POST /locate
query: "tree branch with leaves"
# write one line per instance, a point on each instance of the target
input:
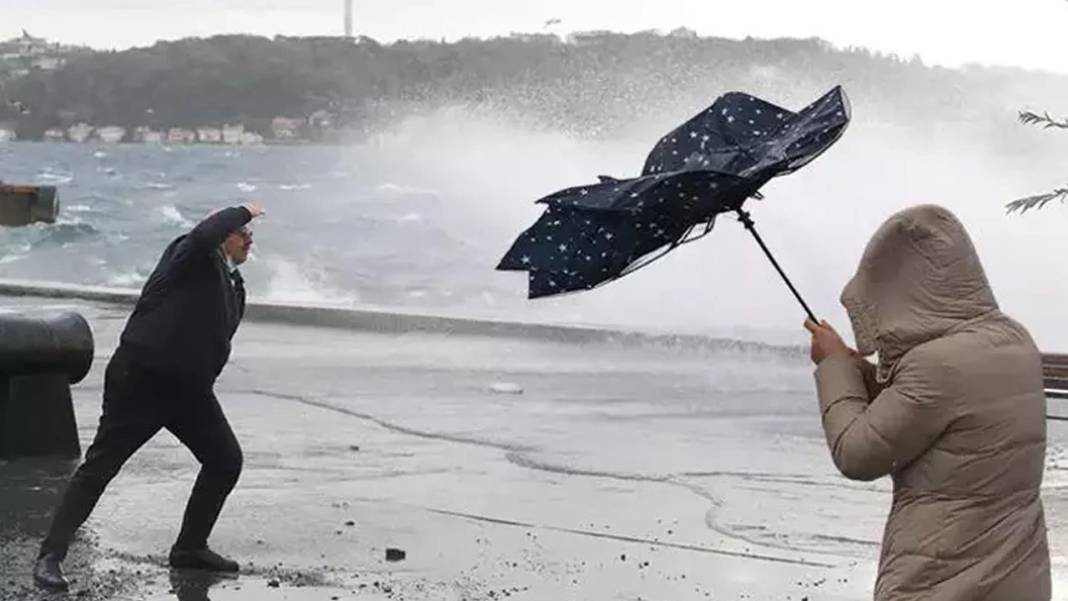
(1022, 205)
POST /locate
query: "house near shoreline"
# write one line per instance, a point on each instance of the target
(231, 134)
(80, 132)
(209, 135)
(111, 134)
(180, 135)
(146, 135)
(285, 128)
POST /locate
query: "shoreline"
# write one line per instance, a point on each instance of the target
(164, 144)
(398, 321)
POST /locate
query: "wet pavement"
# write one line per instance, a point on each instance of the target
(504, 468)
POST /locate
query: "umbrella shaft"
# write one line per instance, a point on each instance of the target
(747, 221)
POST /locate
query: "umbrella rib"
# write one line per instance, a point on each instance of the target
(670, 247)
(636, 265)
(685, 240)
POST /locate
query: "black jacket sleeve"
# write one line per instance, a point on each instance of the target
(209, 234)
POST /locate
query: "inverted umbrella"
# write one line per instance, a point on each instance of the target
(590, 235)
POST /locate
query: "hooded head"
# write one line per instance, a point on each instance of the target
(919, 278)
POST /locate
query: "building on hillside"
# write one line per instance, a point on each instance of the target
(80, 132)
(285, 128)
(590, 38)
(251, 138)
(111, 134)
(180, 135)
(47, 63)
(685, 33)
(231, 134)
(21, 55)
(209, 135)
(146, 135)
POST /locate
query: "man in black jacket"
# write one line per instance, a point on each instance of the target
(173, 348)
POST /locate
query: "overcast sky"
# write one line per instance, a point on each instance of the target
(1027, 33)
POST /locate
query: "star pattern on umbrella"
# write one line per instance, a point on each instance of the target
(709, 165)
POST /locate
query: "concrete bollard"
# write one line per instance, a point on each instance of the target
(23, 205)
(40, 357)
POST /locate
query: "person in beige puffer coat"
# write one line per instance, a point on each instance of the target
(953, 411)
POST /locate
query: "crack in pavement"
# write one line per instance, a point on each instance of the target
(631, 539)
(515, 455)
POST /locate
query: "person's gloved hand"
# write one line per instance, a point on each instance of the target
(826, 342)
(254, 209)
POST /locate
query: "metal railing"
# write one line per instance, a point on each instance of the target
(1055, 380)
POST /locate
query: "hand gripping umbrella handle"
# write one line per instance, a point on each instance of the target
(747, 221)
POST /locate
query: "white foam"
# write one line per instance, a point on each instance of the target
(55, 177)
(126, 280)
(302, 283)
(247, 187)
(506, 388)
(173, 216)
(411, 218)
(390, 187)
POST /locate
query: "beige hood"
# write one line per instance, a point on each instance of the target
(919, 278)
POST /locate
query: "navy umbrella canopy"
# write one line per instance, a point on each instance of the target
(713, 163)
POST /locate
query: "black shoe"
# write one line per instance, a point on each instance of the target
(47, 573)
(201, 559)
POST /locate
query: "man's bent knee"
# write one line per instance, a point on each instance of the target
(95, 477)
(226, 469)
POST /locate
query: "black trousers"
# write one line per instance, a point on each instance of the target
(137, 404)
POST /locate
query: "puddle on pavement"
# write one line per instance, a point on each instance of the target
(194, 586)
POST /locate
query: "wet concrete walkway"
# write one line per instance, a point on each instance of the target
(504, 468)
